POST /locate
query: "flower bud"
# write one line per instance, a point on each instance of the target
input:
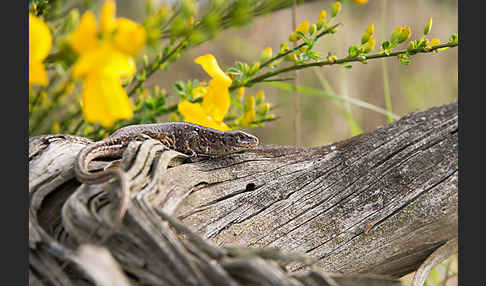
(312, 29)
(336, 8)
(435, 42)
(266, 54)
(270, 117)
(405, 34)
(370, 45)
(255, 67)
(249, 103)
(411, 45)
(293, 37)
(240, 93)
(260, 96)
(174, 117)
(428, 27)
(323, 15)
(264, 108)
(303, 27)
(370, 29)
(145, 60)
(396, 34)
(365, 38)
(250, 113)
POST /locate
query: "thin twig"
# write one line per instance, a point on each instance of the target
(296, 80)
(341, 61)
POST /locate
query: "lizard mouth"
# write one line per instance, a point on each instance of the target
(252, 143)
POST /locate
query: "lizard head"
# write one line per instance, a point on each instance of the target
(221, 143)
(241, 139)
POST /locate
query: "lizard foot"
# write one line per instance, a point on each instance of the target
(142, 137)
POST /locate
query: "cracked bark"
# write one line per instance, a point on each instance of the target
(379, 203)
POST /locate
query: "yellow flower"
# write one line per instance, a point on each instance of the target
(211, 67)
(84, 38)
(105, 59)
(361, 1)
(130, 36)
(104, 99)
(40, 41)
(195, 113)
(107, 17)
(199, 91)
(303, 27)
(216, 98)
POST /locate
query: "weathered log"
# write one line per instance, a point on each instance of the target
(375, 204)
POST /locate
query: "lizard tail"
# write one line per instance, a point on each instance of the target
(88, 154)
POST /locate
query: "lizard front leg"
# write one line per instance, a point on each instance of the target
(192, 137)
(167, 139)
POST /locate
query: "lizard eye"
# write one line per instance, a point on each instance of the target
(241, 137)
(229, 140)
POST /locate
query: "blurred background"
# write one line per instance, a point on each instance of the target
(430, 80)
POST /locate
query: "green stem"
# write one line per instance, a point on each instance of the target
(339, 61)
(386, 91)
(33, 105)
(44, 114)
(386, 86)
(279, 56)
(157, 66)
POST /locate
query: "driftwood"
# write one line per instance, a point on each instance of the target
(363, 211)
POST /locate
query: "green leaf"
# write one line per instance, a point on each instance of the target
(233, 71)
(239, 65)
(347, 66)
(353, 51)
(180, 89)
(311, 91)
(300, 34)
(385, 45)
(235, 103)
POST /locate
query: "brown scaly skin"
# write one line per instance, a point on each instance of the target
(184, 137)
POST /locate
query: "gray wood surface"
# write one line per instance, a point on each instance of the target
(341, 214)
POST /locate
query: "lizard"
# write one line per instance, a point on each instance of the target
(188, 138)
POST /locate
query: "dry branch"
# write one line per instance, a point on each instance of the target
(376, 204)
